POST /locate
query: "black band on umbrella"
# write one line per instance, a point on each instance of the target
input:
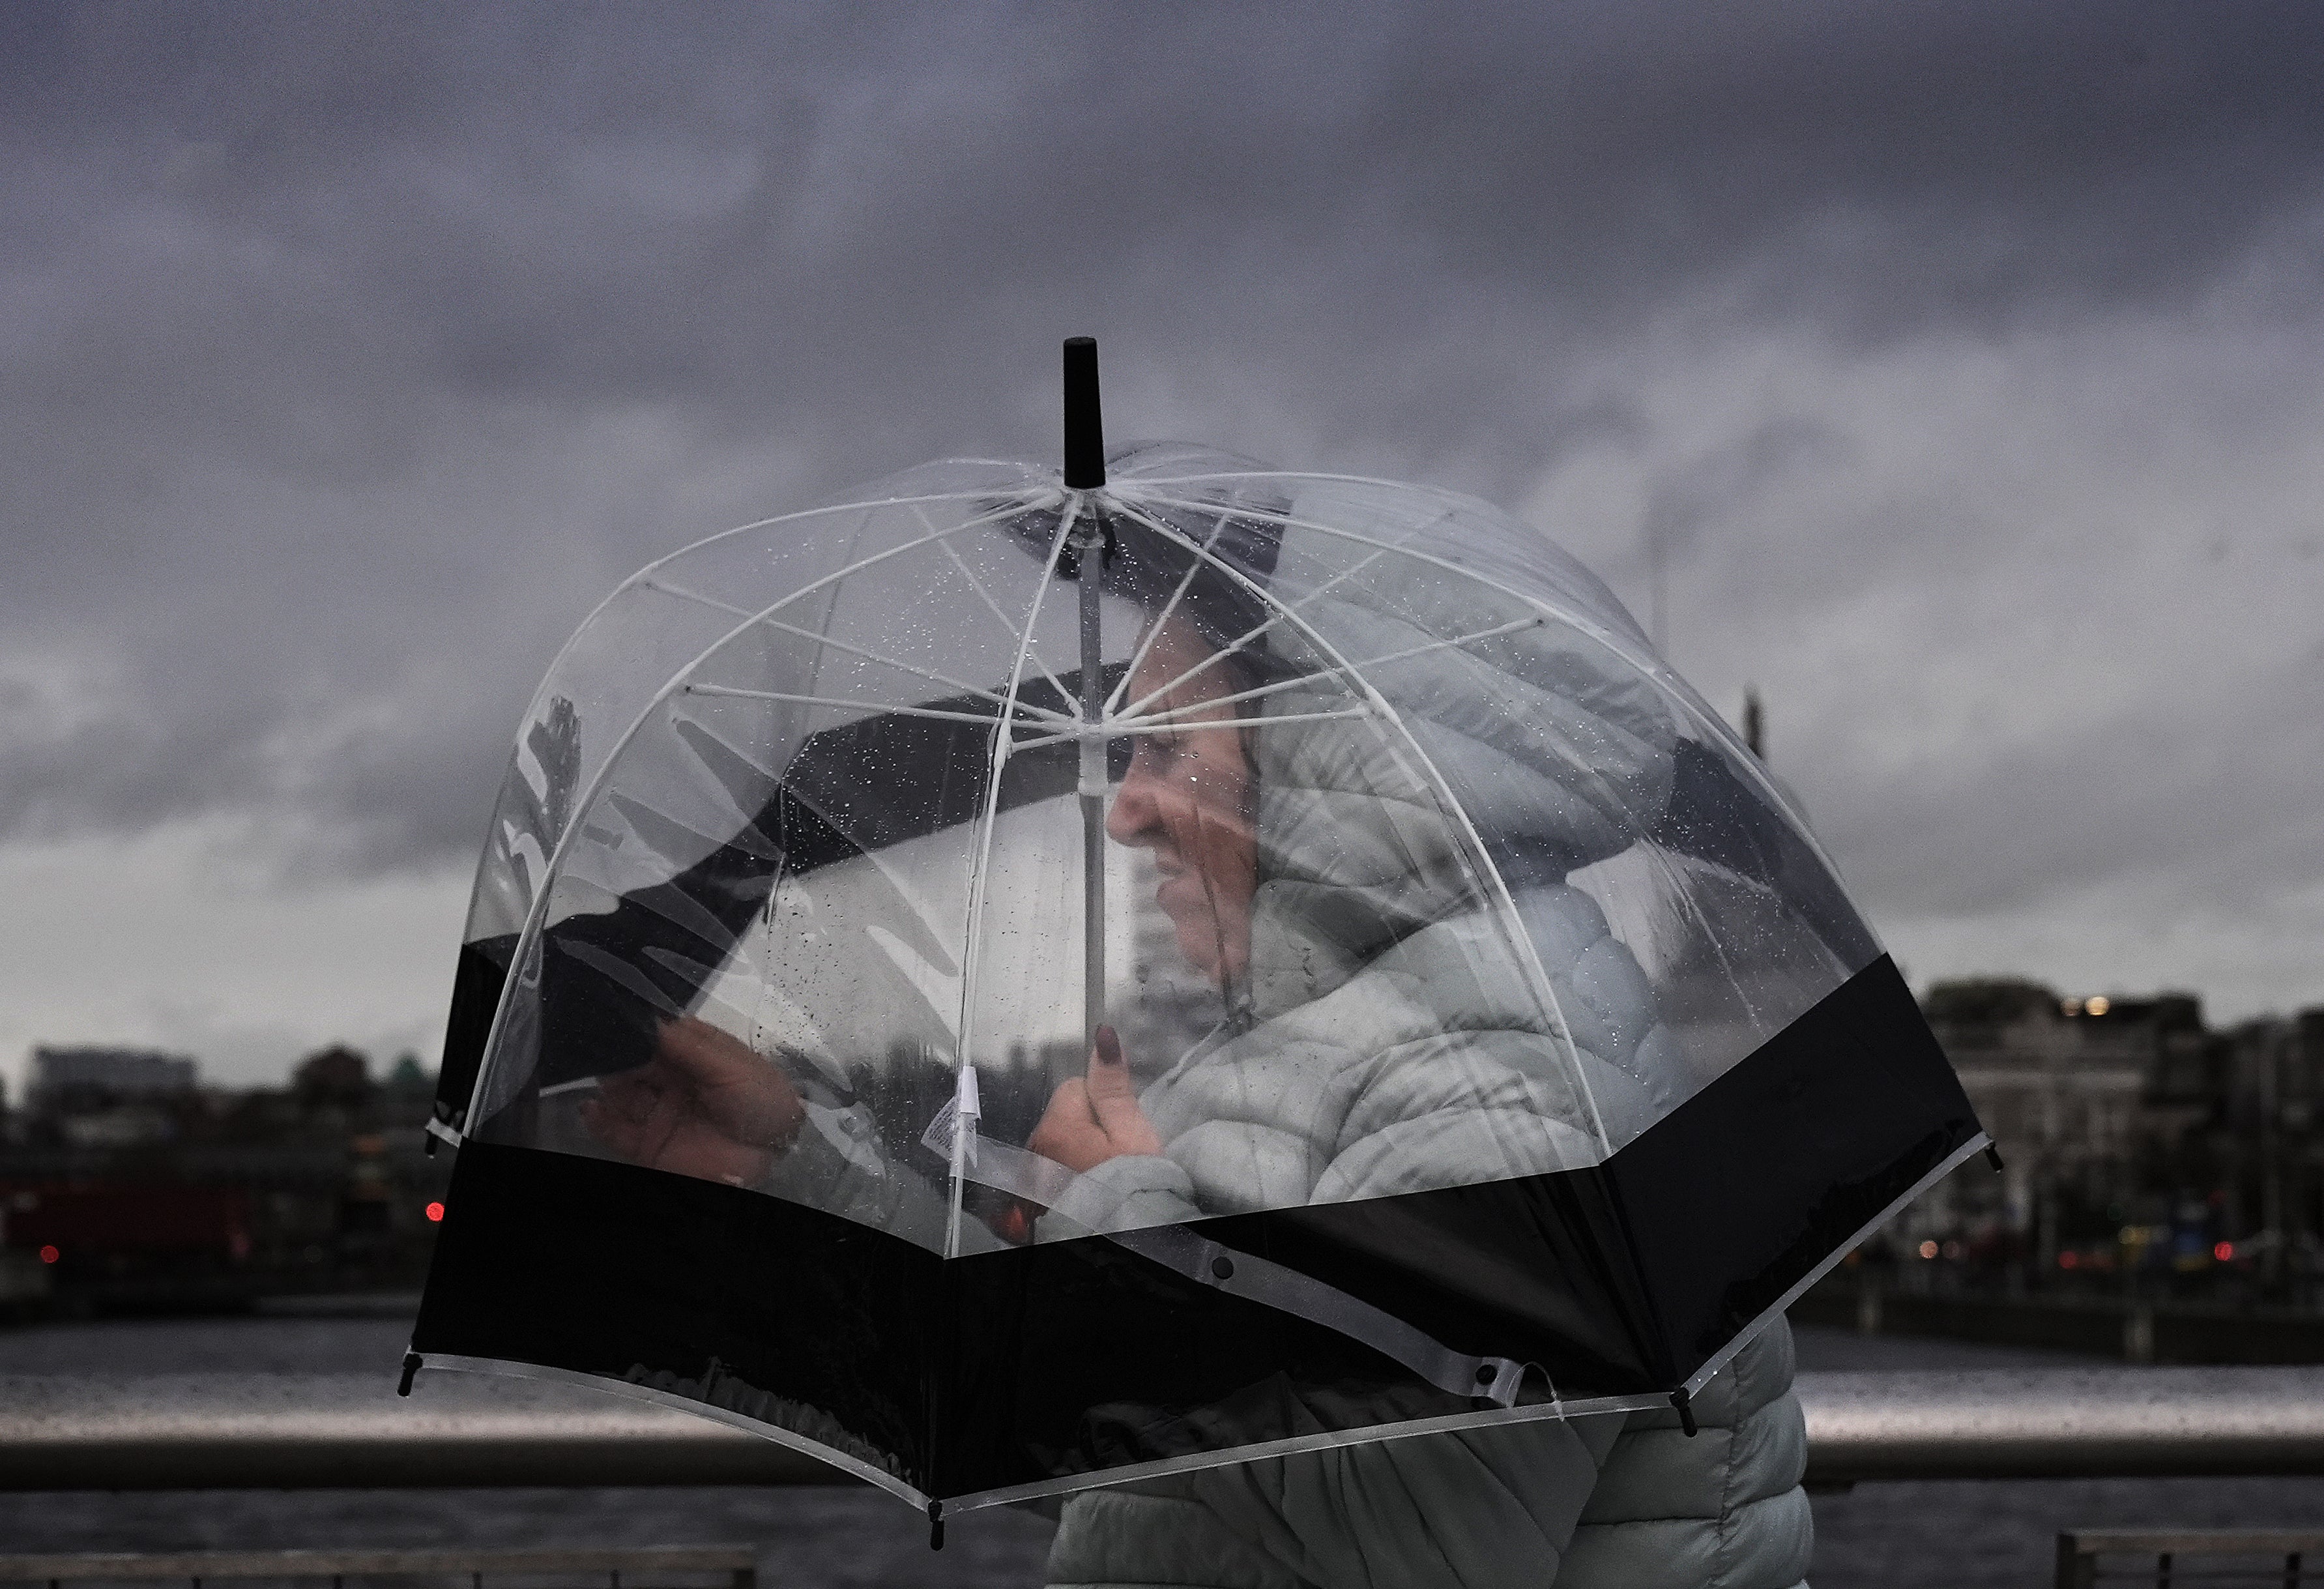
(1077, 1357)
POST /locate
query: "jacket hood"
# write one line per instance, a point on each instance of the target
(1543, 743)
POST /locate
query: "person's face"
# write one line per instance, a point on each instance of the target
(1187, 798)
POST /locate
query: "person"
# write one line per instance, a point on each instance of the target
(1375, 1042)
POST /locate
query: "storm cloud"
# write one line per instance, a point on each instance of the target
(1947, 372)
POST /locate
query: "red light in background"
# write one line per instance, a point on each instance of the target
(435, 1212)
(2224, 1252)
(50, 1255)
(2068, 1259)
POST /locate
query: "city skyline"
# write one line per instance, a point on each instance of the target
(2088, 1002)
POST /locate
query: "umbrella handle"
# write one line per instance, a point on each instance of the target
(1085, 426)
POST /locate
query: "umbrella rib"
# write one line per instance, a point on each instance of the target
(1000, 617)
(1469, 639)
(536, 908)
(1168, 713)
(1499, 887)
(973, 955)
(644, 577)
(1647, 663)
(1121, 728)
(1153, 629)
(1685, 896)
(1006, 627)
(1282, 610)
(1707, 723)
(841, 507)
(870, 656)
(825, 701)
(1009, 700)
(1129, 486)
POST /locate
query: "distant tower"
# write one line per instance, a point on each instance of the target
(1754, 722)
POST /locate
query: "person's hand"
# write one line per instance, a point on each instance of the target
(1095, 1118)
(707, 1105)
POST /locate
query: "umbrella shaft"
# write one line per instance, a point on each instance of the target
(1092, 798)
(1093, 906)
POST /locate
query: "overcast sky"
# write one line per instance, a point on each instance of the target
(1967, 363)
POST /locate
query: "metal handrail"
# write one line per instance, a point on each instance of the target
(346, 1431)
(2064, 1423)
(737, 1564)
(318, 1431)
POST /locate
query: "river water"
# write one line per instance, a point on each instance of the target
(1916, 1536)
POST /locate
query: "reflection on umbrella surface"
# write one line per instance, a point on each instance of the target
(1018, 982)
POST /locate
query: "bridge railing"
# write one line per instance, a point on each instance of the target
(721, 1567)
(310, 1431)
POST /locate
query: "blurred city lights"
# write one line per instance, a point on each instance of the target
(1928, 1249)
(435, 1212)
(50, 1255)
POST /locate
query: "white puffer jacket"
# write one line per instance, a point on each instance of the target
(1598, 1503)
(1423, 1069)
(1396, 1041)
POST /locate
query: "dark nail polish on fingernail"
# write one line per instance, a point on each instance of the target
(1109, 1046)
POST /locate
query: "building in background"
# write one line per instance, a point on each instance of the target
(135, 1187)
(2139, 1143)
(2145, 1153)
(99, 1097)
(60, 1076)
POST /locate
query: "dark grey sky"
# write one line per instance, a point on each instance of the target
(1963, 360)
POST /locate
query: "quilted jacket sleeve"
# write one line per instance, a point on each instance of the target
(1724, 1509)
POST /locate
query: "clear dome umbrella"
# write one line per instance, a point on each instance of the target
(1019, 981)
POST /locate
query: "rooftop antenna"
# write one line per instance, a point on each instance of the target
(1087, 549)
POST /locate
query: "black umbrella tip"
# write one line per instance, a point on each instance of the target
(1084, 429)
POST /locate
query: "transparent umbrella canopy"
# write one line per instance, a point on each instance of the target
(1022, 981)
